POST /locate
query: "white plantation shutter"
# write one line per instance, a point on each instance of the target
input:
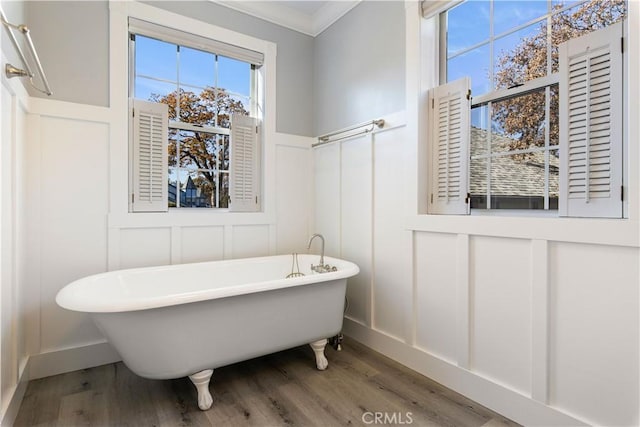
(244, 179)
(591, 101)
(149, 130)
(450, 108)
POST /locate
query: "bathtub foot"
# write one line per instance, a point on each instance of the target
(201, 381)
(318, 349)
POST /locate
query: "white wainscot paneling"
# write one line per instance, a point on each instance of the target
(293, 198)
(144, 247)
(594, 332)
(436, 304)
(392, 292)
(15, 168)
(500, 299)
(327, 196)
(200, 244)
(356, 214)
(21, 231)
(250, 241)
(73, 208)
(9, 312)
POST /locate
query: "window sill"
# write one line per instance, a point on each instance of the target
(187, 217)
(522, 213)
(615, 232)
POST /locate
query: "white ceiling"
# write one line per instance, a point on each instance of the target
(309, 7)
(306, 16)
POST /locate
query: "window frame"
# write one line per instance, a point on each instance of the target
(119, 195)
(190, 41)
(496, 95)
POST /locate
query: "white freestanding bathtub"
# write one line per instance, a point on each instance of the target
(185, 320)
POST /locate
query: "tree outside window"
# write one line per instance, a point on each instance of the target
(514, 138)
(202, 90)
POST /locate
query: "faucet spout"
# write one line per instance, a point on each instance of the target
(321, 249)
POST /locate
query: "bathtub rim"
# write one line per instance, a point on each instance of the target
(69, 300)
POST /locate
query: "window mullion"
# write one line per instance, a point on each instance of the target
(547, 134)
(549, 39)
(178, 133)
(530, 86)
(442, 45)
(488, 142)
(198, 128)
(217, 173)
(492, 58)
(509, 153)
(492, 37)
(178, 170)
(215, 91)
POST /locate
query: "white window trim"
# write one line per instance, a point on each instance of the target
(542, 82)
(119, 215)
(497, 95)
(422, 74)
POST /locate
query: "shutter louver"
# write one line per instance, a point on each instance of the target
(149, 129)
(449, 152)
(591, 125)
(244, 181)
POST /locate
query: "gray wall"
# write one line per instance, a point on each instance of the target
(294, 62)
(352, 72)
(72, 40)
(360, 66)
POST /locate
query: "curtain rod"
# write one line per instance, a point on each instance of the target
(336, 136)
(12, 71)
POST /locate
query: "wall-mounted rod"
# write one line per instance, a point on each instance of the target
(349, 132)
(12, 71)
(12, 37)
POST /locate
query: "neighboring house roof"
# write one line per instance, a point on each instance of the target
(515, 176)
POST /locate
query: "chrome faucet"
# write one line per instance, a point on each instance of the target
(320, 268)
(321, 250)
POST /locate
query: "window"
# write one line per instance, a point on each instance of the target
(510, 52)
(204, 84)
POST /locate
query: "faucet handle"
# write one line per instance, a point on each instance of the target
(323, 268)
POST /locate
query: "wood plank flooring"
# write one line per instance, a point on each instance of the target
(282, 389)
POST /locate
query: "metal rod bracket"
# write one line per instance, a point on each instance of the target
(12, 71)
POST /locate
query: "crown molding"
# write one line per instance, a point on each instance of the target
(329, 13)
(279, 14)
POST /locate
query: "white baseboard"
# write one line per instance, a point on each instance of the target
(72, 359)
(54, 363)
(9, 416)
(509, 403)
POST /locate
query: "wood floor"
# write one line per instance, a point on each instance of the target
(283, 389)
